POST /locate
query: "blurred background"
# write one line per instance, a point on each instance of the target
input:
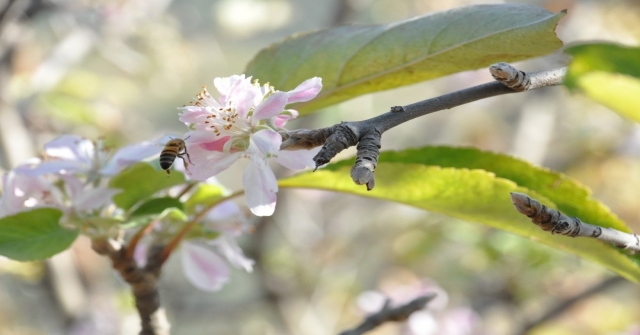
(118, 69)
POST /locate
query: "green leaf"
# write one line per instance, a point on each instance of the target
(609, 74)
(174, 215)
(355, 60)
(473, 185)
(140, 181)
(34, 235)
(151, 210)
(204, 195)
(156, 206)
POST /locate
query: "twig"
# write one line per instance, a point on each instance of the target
(563, 306)
(367, 133)
(557, 223)
(143, 282)
(386, 314)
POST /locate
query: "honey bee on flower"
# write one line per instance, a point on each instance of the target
(243, 122)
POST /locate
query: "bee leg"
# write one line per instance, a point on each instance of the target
(186, 165)
(189, 158)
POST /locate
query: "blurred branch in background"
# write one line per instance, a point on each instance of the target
(557, 310)
(386, 314)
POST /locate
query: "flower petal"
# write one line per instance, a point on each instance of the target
(203, 268)
(260, 187)
(271, 107)
(284, 117)
(297, 159)
(94, 198)
(228, 246)
(201, 136)
(305, 91)
(193, 114)
(422, 323)
(35, 167)
(205, 163)
(128, 155)
(264, 142)
(71, 147)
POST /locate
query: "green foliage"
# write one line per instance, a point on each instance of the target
(204, 195)
(355, 60)
(156, 206)
(34, 235)
(140, 181)
(472, 185)
(609, 74)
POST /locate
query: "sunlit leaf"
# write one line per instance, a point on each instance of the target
(355, 60)
(609, 74)
(34, 235)
(141, 181)
(204, 195)
(156, 206)
(475, 186)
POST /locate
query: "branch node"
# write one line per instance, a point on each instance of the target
(342, 136)
(305, 138)
(397, 109)
(556, 222)
(368, 148)
(510, 76)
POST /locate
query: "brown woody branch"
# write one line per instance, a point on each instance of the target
(556, 222)
(143, 282)
(367, 134)
(386, 314)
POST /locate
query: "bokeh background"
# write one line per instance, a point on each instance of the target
(117, 70)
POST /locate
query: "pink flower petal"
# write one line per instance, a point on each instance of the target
(94, 198)
(228, 246)
(205, 163)
(244, 100)
(200, 136)
(128, 155)
(264, 142)
(70, 147)
(203, 268)
(224, 211)
(43, 168)
(193, 114)
(271, 107)
(305, 91)
(284, 117)
(260, 186)
(217, 145)
(297, 159)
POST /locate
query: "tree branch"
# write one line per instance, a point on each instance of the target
(367, 133)
(564, 305)
(143, 282)
(557, 223)
(386, 314)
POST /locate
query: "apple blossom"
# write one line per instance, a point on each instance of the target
(243, 122)
(71, 154)
(67, 177)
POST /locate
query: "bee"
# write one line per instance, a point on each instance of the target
(174, 148)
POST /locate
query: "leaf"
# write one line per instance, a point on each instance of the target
(355, 60)
(34, 235)
(140, 181)
(156, 206)
(204, 195)
(609, 74)
(473, 185)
